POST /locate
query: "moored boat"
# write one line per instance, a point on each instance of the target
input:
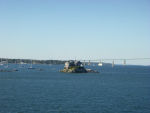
(100, 64)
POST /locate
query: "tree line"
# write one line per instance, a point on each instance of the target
(28, 61)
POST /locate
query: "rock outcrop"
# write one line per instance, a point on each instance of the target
(91, 71)
(74, 70)
(78, 70)
(75, 67)
(5, 70)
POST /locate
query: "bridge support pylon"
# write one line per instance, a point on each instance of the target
(113, 64)
(84, 62)
(89, 62)
(124, 63)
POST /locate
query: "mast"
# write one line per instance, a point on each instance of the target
(20, 63)
(7, 63)
(31, 63)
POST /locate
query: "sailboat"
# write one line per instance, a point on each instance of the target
(20, 65)
(7, 64)
(1, 63)
(93, 64)
(31, 66)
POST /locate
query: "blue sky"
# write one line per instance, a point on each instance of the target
(85, 29)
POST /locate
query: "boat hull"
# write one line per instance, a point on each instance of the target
(31, 68)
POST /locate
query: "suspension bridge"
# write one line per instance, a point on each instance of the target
(95, 60)
(99, 60)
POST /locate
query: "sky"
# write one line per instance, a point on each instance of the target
(75, 29)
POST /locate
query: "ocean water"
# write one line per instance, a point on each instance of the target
(113, 90)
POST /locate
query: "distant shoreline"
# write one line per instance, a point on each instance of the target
(28, 61)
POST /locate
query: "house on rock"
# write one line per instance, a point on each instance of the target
(75, 67)
(72, 63)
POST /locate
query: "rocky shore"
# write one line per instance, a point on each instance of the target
(5, 70)
(8, 70)
(91, 71)
(78, 70)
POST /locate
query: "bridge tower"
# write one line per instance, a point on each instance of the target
(124, 63)
(84, 62)
(89, 62)
(113, 64)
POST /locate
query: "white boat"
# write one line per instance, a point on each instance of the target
(31, 66)
(100, 64)
(50, 64)
(20, 65)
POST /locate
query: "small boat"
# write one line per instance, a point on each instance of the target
(20, 65)
(7, 64)
(100, 64)
(15, 70)
(31, 66)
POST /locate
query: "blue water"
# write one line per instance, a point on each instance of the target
(113, 90)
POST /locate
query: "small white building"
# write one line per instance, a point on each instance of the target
(66, 65)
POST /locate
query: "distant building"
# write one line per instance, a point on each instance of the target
(72, 63)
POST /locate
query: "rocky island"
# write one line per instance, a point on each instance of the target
(75, 67)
